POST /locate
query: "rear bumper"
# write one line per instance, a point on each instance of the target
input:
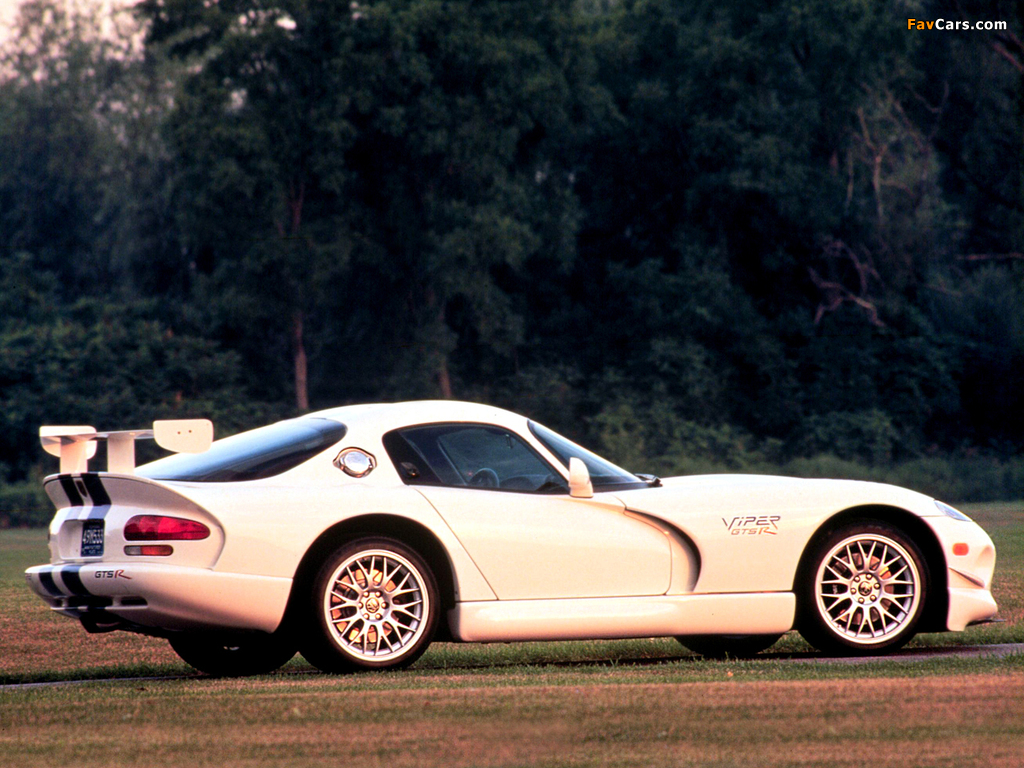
(163, 597)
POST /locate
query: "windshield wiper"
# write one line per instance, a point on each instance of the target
(652, 480)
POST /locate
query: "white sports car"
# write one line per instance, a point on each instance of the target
(357, 535)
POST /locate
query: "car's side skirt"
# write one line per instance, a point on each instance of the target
(619, 617)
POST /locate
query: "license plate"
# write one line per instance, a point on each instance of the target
(92, 538)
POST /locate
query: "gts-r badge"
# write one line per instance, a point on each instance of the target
(118, 574)
(760, 525)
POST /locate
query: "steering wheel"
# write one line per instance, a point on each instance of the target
(485, 477)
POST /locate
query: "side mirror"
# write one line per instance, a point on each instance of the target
(580, 486)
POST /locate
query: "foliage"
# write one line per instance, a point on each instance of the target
(24, 505)
(110, 365)
(695, 235)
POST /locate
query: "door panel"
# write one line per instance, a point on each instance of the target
(531, 546)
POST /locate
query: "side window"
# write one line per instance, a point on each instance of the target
(470, 456)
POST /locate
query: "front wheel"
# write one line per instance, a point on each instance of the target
(224, 656)
(374, 605)
(864, 590)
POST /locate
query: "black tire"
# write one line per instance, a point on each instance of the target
(862, 591)
(237, 656)
(374, 604)
(728, 646)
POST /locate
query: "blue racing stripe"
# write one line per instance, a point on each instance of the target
(67, 484)
(46, 580)
(97, 492)
(98, 513)
(73, 581)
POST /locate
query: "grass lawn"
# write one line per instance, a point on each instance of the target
(643, 702)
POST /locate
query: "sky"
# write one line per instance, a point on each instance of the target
(9, 10)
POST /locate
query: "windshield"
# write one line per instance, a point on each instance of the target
(252, 455)
(603, 474)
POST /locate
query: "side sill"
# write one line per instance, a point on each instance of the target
(623, 617)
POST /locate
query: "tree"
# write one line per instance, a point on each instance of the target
(53, 147)
(400, 162)
(259, 134)
(462, 177)
(112, 364)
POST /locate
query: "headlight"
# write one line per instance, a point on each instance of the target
(950, 512)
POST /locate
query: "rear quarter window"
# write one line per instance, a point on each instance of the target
(253, 455)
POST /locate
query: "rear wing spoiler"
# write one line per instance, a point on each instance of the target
(76, 445)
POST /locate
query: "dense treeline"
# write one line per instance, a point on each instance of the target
(696, 235)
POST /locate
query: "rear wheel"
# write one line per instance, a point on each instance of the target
(374, 605)
(731, 646)
(864, 590)
(223, 656)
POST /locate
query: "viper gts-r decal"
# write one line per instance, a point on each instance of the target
(753, 525)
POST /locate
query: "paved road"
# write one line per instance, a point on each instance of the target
(997, 650)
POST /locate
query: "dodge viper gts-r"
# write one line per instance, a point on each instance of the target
(357, 535)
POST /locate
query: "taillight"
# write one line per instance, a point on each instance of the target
(161, 528)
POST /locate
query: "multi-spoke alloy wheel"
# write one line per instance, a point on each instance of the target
(376, 607)
(867, 590)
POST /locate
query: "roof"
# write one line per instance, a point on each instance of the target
(386, 416)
